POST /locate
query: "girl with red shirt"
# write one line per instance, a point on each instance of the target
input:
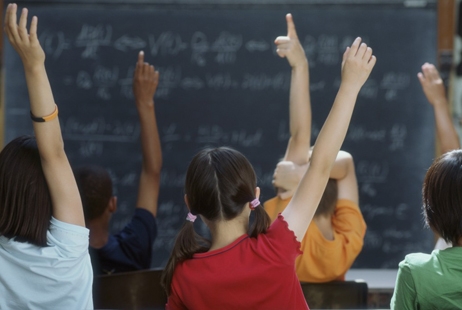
(242, 268)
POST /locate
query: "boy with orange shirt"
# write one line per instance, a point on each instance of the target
(335, 236)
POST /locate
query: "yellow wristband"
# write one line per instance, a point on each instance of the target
(47, 118)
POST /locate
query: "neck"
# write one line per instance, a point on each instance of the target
(226, 232)
(99, 233)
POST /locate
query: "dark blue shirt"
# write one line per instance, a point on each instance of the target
(130, 249)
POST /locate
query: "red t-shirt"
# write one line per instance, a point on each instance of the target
(250, 273)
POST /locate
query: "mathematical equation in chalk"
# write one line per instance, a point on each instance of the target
(324, 49)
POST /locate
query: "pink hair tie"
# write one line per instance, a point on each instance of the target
(191, 217)
(254, 203)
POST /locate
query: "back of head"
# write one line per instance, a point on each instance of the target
(95, 187)
(328, 200)
(25, 203)
(219, 184)
(442, 196)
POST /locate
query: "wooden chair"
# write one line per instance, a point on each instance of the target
(129, 290)
(336, 295)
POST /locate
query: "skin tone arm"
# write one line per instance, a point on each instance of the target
(145, 81)
(288, 175)
(433, 88)
(300, 107)
(67, 206)
(357, 64)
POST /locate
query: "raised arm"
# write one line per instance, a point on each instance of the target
(357, 64)
(433, 88)
(145, 81)
(345, 174)
(67, 206)
(300, 107)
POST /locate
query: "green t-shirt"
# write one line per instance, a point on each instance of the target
(429, 281)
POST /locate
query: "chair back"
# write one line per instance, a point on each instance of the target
(336, 295)
(129, 290)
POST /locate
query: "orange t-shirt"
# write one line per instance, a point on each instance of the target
(327, 260)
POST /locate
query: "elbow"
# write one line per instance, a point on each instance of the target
(153, 171)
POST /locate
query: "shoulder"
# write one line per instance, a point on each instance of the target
(144, 215)
(71, 229)
(345, 208)
(346, 203)
(142, 223)
(348, 218)
(280, 237)
(70, 237)
(418, 265)
(417, 260)
(439, 261)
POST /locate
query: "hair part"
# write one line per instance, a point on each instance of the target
(329, 198)
(25, 202)
(220, 182)
(442, 196)
(95, 187)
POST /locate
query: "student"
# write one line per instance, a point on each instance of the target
(43, 240)
(254, 269)
(335, 237)
(433, 88)
(131, 248)
(434, 281)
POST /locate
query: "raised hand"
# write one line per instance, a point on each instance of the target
(432, 84)
(26, 44)
(357, 64)
(145, 81)
(67, 206)
(289, 46)
(434, 90)
(287, 176)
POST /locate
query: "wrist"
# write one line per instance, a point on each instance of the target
(349, 88)
(144, 104)
(439, 102)
(301, 65)
(36, 68)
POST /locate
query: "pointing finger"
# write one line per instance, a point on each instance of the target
(291, 32)
(140, 58)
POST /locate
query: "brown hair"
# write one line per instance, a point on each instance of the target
(442, 196)
(328, 201)
(219, 183)
(95, 187)
(25, 203)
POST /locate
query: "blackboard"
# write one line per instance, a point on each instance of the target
(222, 84)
